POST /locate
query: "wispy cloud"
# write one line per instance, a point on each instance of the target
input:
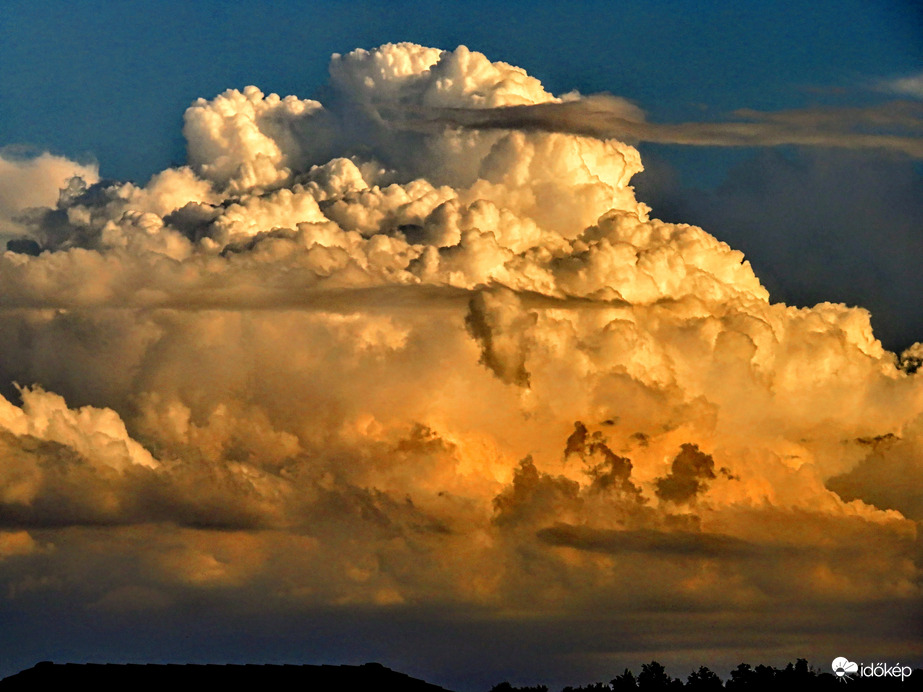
(895, 126)
(911, 85)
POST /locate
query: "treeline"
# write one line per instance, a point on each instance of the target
(653, 677)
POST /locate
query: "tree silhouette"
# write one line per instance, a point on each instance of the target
(624, 682)
(795, 674)
(507, 687)
(654, 678)
(595, 687)
(744, 678)
(741, 677)
(704, 680)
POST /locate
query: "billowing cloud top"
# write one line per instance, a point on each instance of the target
(427, 367)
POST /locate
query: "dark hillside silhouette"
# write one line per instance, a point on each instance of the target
(135, 677)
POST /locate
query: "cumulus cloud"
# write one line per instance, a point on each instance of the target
(28, 181)
(337, 364)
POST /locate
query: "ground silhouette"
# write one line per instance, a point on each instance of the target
(652, 677)
(139, 677)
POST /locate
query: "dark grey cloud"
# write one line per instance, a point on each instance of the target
(895, 126)
(461, 650)
(689, 475)
(608, 470)
(816, 226)
(889, 477)
(673, 543)
(499, 325)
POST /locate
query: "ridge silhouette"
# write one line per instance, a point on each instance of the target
(142, 677)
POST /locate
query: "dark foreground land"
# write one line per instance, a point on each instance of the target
(137, 678)
(374, 676)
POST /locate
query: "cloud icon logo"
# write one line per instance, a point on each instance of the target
(843, 667)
